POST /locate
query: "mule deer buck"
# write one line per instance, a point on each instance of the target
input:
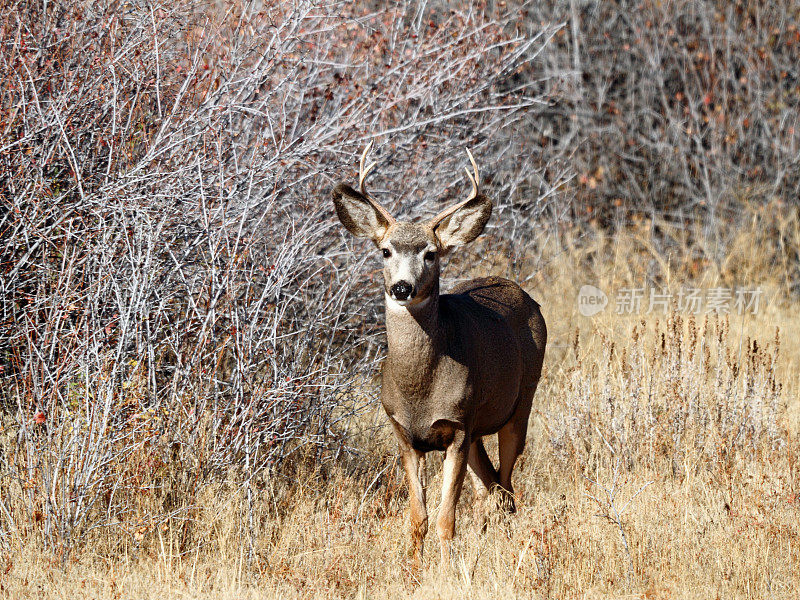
(460, 366)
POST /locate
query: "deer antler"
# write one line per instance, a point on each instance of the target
(362, 184)
(434, 222)
(362, 174)
(474, 179)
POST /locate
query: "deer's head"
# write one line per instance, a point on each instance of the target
(411, 251)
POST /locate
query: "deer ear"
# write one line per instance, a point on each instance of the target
(359, 215)
(465, 223)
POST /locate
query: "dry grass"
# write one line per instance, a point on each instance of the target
(656, 467)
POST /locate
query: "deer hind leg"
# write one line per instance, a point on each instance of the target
(414, 465)
(484, 477)
(511, 442)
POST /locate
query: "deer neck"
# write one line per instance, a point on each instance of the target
(415, 342)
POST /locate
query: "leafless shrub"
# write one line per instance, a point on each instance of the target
(673, 108)
(172, 290)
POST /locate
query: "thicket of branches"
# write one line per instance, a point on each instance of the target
(174, 289)
(676, 109)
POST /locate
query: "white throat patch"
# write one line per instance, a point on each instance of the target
(405, 306)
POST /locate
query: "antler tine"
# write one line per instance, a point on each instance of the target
(474, 180)
(362, 184)
(362, 173)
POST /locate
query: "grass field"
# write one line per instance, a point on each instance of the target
(660, 463)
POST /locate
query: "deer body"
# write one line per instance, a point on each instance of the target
(460, 359)
(459, 366)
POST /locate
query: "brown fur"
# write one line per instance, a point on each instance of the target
(460, 366)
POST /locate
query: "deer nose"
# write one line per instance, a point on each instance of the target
(402, 290)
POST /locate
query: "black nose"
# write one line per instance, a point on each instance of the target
(402, 290)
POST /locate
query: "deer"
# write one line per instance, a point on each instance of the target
(459, 366)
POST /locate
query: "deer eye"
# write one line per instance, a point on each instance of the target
(386, 253)
(430, 255)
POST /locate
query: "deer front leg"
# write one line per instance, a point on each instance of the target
(414, 465)
(455, 467)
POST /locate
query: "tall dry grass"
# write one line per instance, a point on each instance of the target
(661, 462)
